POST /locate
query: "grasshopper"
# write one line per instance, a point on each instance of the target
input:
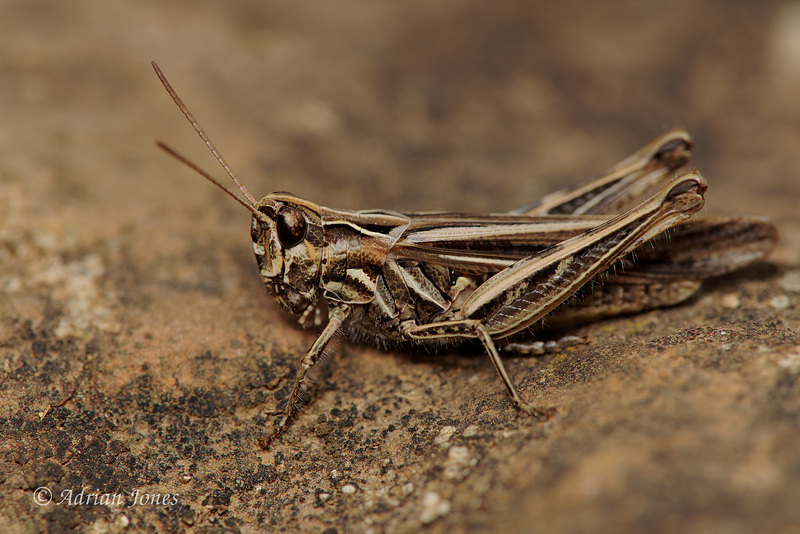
(439, 277)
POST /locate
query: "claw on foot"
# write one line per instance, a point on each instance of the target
(545, 347)
(541, 414)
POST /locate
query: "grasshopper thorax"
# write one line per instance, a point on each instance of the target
(288, 245)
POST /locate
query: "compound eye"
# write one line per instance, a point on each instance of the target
(291, 226)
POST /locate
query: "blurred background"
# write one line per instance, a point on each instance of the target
(403, 105)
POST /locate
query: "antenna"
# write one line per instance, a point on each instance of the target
(250, 207)
(209, 144)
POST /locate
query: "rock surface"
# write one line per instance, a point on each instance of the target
(141, 358)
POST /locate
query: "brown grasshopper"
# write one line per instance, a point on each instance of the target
(438, 277)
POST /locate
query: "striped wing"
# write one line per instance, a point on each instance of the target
(700, 248)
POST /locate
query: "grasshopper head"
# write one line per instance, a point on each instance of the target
(287, 242)
(286, 230)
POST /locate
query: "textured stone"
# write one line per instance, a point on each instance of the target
(139, 351)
